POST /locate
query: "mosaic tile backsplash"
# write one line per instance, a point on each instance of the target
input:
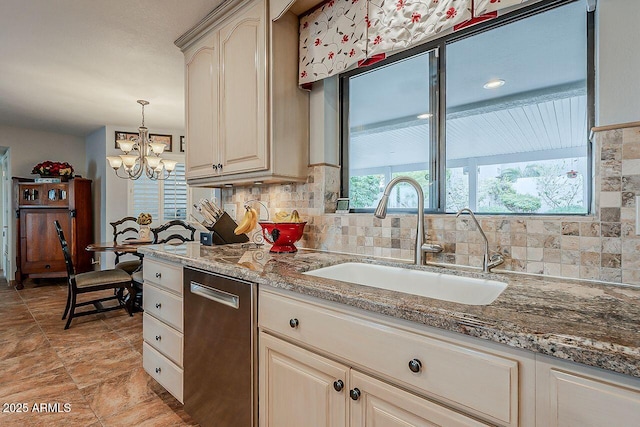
(603, 246)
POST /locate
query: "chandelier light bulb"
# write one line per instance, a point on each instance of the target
(153, 162)
(169, 165)
(126, 145)
(157, 147)
(115, 162)
(129, 160)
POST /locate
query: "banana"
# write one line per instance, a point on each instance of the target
(244, 225)
(295, 217)
(254, 219)
(281, 216)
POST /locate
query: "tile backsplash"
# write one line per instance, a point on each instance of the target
(602, 246)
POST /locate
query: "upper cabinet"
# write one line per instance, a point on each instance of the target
(247, 120)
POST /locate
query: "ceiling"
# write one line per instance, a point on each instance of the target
(73, 66)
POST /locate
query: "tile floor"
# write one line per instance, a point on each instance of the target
(95, 366)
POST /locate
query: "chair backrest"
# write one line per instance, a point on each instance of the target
(66, 251)
(124, 229)
(180, 230)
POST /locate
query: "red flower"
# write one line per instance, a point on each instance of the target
(352, 52)
(317, 42)
(303, 74)
(415, 17)
(494, 1)
(331, 54)
(345, 38)
(451, 12)
(305, 25)
(366, 19)
(377, 40)
(354, 1)
(401, 4)
(331, 2)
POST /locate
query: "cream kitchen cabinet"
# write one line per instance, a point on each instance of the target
(247, 120)
(162, 349)
(399, 373)
(300, 387)
(572, 395)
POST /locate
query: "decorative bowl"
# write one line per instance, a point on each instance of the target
(282, 235)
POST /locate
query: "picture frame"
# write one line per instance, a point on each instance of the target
(167, 139)
(130, 136)
(182, 144)
(342, 205)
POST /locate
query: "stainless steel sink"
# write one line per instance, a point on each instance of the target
(442, 286)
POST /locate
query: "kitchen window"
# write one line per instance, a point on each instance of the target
(165, 199)
(493, 117)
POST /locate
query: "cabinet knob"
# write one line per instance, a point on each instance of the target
(158, 305)
(355, 394)
(338, 385)
(415, 365)
(158, 275)
(294, 323)
(215, 167)
(158, 337)
(220, 166)
(158, 370)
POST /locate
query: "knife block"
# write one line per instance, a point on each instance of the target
(221, 233)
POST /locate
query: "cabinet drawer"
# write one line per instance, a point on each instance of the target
(162, 370)
(475, 381)
(168, 276)
(163, 338)
(163, 306)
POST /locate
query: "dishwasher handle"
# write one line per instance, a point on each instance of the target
(216, 295)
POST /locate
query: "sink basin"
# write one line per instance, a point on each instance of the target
(446, 287)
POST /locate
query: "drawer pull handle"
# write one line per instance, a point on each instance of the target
(158, 305)
(415, 365)
(355, 394)
(338, 385)
(158, 275)
(158, 370)
(158, 337)
(294, 323)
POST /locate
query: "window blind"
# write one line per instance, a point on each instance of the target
(145, 197)
(175, 195)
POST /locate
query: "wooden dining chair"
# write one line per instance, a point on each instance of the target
(123, 230)
(174, 231)
(92, 281)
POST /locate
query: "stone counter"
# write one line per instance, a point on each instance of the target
(592, 323)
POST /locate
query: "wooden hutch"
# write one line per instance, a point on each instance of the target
(37, 205)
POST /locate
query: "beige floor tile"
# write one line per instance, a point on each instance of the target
(36, 363)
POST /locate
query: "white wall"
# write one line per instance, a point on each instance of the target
(618, 63)
(30, 147)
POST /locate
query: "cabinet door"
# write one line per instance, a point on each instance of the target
(567, 398)
(56, 195)
(202, 110)
(381, 404)
(39, 245)
(243, 85)
(297, 387)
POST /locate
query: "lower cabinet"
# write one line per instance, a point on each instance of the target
(162, 349)
(572, 395)
(302, 388)
(327, 366)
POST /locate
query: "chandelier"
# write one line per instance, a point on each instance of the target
(141, 155)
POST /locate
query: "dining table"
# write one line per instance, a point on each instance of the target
(126, 246)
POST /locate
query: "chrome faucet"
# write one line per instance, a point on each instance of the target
(381, 212)
(487, 263)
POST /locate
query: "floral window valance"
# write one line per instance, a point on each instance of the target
(343, 33)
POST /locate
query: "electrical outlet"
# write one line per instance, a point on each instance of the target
(230, 208)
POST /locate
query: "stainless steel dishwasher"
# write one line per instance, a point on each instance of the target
(220, 351)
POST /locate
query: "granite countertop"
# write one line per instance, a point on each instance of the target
(596, 324)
